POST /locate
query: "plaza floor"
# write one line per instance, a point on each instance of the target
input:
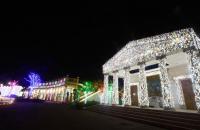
(43, 116)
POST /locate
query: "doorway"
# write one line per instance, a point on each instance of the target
(134, 95)
(188, 94)
(154, 91)
(110, 89)
(120, 89)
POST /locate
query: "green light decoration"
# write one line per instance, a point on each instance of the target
(110, 91)
(86, 88)
(110, 87)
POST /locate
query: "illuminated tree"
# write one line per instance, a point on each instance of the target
(85, 88)
(34, 79)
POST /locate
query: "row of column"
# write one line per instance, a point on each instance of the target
(142, 88)
(126, 99)
(165, 84)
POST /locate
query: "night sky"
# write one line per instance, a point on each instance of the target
(78, 41)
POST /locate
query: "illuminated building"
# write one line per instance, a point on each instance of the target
(55, 91)
(162, 71)
(10, 90)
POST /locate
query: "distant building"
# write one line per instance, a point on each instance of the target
(55, 91)
(162, 71)
(10, 90)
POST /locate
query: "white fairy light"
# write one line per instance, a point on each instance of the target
(105, 93)
(115, 89)
(166, 92)
(147, 49)
(127, 94)
(155, 45)
(143, 93)
(194, 68)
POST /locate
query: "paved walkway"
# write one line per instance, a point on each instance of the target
(38, 116)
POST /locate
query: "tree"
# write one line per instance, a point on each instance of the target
(34, 79)
(85, 88)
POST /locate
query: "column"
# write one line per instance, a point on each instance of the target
(194, 67)
(105, 92)
(115, 98)
(127, 92)
(142, 89)
(165, 85)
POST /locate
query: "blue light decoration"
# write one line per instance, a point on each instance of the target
(34, 79)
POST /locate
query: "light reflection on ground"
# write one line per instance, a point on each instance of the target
(6, 100)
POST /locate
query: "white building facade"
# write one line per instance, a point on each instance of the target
(162, 71)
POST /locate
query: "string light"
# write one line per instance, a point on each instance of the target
(115, 93)
(143, 93)
(147, 49)
(12, 90)
(34, 79)
(12, 83)
(136, 51)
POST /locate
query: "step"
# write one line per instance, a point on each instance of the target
(193, 121)
(148, 116)
(161, 112)
(178, 123)
(153, 123)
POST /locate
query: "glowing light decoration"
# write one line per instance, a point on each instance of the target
(12, 83)
(6, 100)
(14, 90)
(86, 88)
(110, 93)
(143, 92)
(115, 94)
(90, 96)
(34, 79)
(105, 95)
(194, 68)
(136, 51)
(127, 95)
(147, 49)
(165, 85)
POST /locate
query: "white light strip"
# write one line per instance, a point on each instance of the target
(149, 48)
(90, 96)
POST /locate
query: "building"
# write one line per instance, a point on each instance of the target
(55, 91)
(162, 71)
(10, 90)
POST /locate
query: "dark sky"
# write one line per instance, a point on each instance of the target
(79, 39)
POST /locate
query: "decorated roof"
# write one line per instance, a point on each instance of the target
(149, 48)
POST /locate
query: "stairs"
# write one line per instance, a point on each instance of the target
(166, 119)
